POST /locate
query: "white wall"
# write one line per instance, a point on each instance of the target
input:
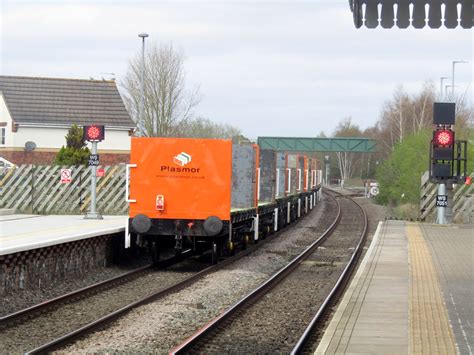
(55, 138)
(5, 117)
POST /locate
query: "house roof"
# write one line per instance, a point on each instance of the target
(34, 100)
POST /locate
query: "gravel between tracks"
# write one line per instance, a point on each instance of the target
(21, 299)
(28, 335)
(158, 327)
(274, 323)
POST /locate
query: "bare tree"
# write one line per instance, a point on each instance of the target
(347, 161)
(204, 128)
(404, 115)
(167, 103)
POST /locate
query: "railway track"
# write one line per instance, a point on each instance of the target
(36, 323)
(273, 317)
(52, 324)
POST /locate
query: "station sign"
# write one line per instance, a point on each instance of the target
(93, 160)
(441, 201)
(66, 176)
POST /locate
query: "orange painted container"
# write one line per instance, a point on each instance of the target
(181, 178)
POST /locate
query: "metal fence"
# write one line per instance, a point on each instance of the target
(39, 190)
(463, 201)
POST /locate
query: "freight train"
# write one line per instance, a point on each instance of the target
(189, 192)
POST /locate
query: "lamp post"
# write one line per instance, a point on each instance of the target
(446, 90)
(441, 86)
(452, 82)
(142, 86)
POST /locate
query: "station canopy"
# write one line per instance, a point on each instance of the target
(417, 13)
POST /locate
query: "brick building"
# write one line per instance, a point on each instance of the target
(41, 110)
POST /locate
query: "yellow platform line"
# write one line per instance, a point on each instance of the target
(430, 330)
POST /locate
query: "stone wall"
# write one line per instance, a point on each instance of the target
(33, 269)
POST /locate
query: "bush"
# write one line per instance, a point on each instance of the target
(76, 151)
(399, 177)
(72, 156)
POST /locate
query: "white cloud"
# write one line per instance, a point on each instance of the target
(259, 64)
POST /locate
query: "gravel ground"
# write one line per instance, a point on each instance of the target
(274, 323)
(28, 335)
(375, 214)
(158, 327)
(25, 298)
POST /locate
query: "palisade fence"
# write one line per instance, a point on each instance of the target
(463, 201)
(38, 190)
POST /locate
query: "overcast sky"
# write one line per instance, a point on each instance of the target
(281, 68)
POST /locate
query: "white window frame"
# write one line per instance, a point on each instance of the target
(3, 136)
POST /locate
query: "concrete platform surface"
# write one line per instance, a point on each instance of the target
(412, 294)
(26, 232)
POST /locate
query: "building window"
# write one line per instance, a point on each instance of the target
(2, 135)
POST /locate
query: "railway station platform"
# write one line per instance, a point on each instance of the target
(412, 294)
(25, 232)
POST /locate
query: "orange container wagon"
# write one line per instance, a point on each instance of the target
(177, 178)
(184, 190)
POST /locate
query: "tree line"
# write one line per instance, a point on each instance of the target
(402, 116)
(169, 105)
(402, 130)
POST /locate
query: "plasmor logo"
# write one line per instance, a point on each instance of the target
(182, 159)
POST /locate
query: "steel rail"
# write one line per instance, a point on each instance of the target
(66, 338)
(82, 292)
(63, 298)
(338, 287)
(256, 293)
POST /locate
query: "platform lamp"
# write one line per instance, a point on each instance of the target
(441, 86)
(452, 82)
(142, 35)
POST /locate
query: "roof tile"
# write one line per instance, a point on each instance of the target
(64, 101)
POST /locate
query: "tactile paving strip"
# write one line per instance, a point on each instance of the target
(430, 330)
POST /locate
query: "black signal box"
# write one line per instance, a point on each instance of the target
(442, 171)
(441, 153)
(444, 113)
